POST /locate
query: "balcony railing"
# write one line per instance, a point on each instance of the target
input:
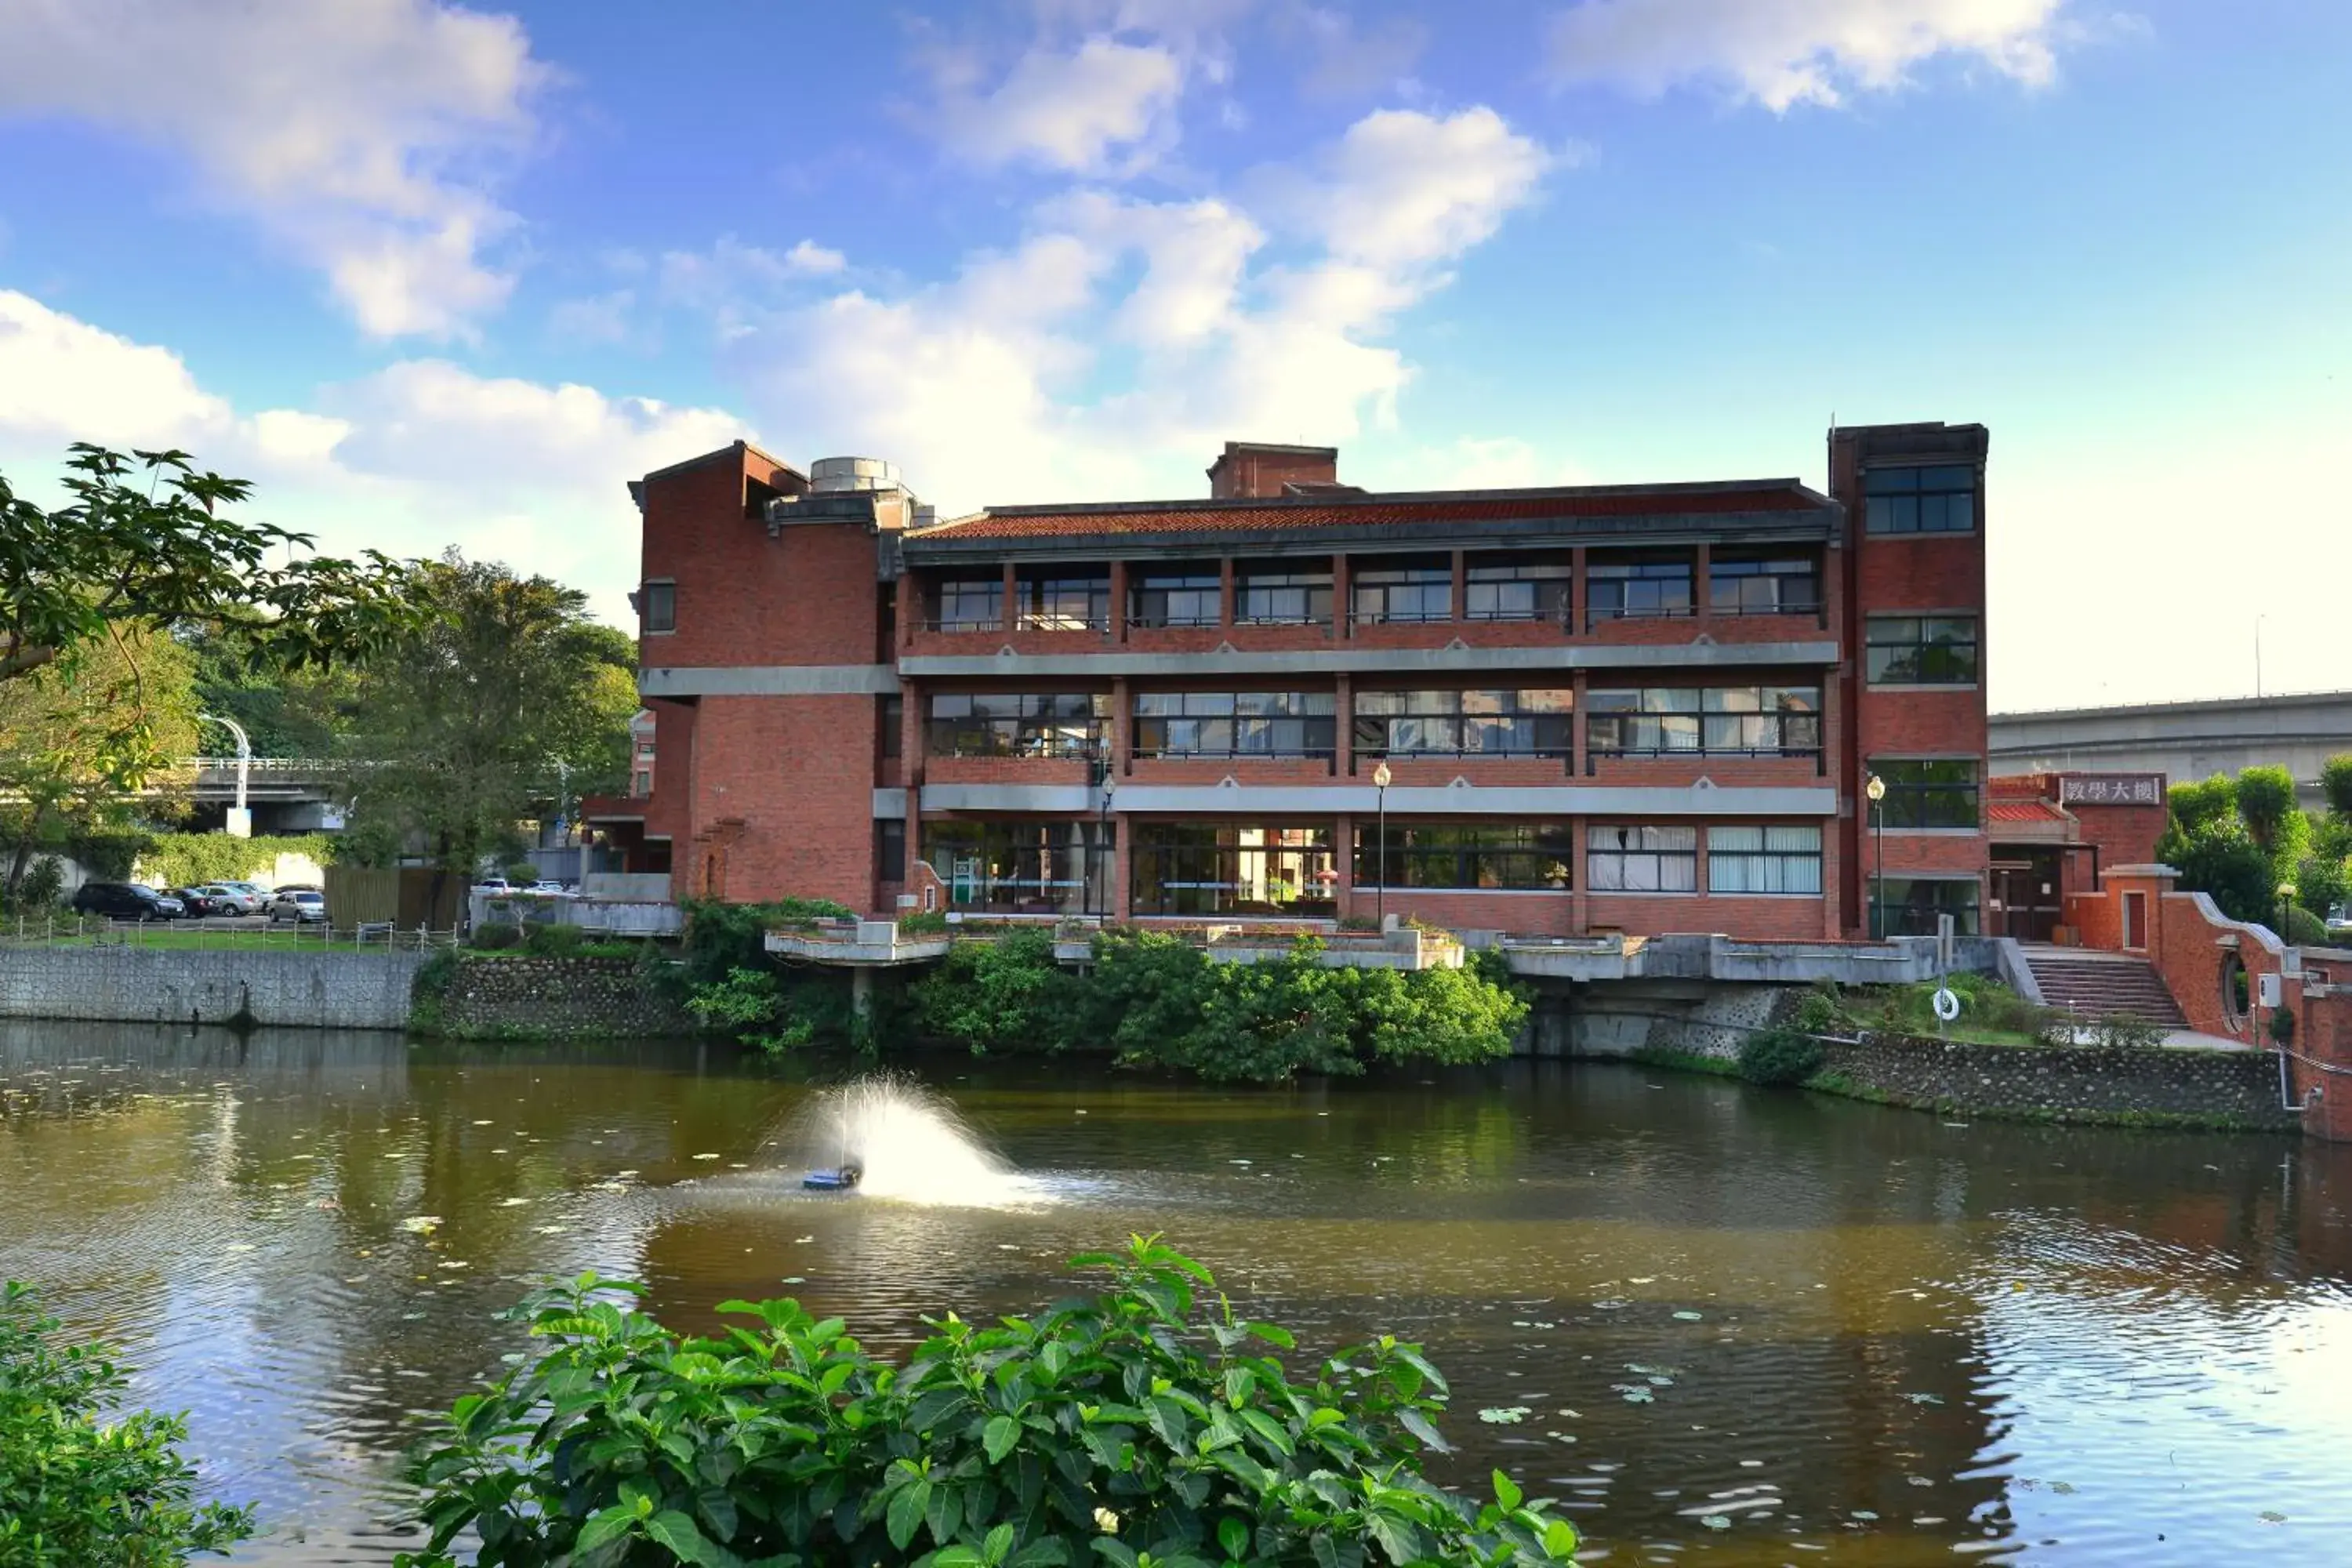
(1050, 621)
(964, 624)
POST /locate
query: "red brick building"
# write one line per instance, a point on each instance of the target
(1636, 707)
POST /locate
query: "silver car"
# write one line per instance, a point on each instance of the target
(300, 905)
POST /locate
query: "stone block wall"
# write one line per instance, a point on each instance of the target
(518, 998)
(2155, 1085)
(323, 990)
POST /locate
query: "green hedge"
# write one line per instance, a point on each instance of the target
(191, 859)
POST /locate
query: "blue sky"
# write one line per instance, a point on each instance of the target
(433, 274)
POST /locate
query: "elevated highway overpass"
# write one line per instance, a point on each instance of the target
(2182, 739)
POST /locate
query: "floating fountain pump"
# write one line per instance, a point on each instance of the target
(838, 1179)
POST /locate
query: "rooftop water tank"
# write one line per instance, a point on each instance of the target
(832, 475)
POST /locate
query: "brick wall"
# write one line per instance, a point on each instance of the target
(783, 800)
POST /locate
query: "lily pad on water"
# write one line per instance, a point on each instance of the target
(1714, 1522)
(1924, 1398)
(1689, 1316)
(1634, 1392)
(1506, 1415)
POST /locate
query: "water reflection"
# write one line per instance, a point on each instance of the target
(1726, 1327)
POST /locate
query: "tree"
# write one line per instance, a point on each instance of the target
(2222, 858)
(2335, 783)
(146, 546)
(66, 729)
(2195, 804)
(2265, 800)
(499, 700)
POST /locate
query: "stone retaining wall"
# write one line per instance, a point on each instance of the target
(320, 989)
(521, 999)
(2152, 1085)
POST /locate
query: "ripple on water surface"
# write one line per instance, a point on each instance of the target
(1722, 1326)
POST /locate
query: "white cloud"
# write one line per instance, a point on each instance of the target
(732, 273)
(597, 319)
(361, 135)
(1062, 369)
(1067, 110)
(1349, 61)
(1403, 188)
(809, 257)
(1780, 53)
(415, 456)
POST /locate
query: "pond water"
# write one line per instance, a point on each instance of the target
(1848, 1334)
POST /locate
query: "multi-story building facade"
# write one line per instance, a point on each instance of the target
(1635, 708)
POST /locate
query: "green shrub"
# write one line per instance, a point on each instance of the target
(1100, 1434)
(931, 923)
(720, 937)
(1817, 1010)
(2305, 928)
(522, 872)
(1779, 1056)
(40, 889)
(2123, 1029)
(496, 936)
(82, 1484)
(550, 941)
(1359, 924)
(1006, 992)
(612, 947)
(2282, 1028)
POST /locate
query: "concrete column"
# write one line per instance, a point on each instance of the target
(1702, 596)
(1118, 601)
(1012, 600)
(1579, 754)
(1577, 616)
(1344, 842)
(1225, 598)
(861, 991)
(1461, 585)
(1343, 725)
(1122, 754)
(1343, 597)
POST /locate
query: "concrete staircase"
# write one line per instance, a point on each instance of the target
(2095, 985)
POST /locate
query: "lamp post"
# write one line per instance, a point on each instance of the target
(1876, 788)
(1380, 776)
(2286, 906)
(240, 817)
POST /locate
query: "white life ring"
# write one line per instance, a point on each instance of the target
(1948, 1005)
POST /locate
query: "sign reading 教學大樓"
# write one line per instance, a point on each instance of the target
(2111, 789)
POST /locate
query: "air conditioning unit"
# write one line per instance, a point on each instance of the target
(2269, 990)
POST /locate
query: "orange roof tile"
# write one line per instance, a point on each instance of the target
(1373, 510)
(2022, 811)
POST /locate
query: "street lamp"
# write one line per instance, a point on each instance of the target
(2286, 906)
(1380, 776)
(1876, 788)
(240, 818)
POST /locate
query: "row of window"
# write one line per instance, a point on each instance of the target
(1715, 720)
(1647, 585)
(1215, 867)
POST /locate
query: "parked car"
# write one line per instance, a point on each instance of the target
(301, 905)
(125, 901)
(547, 890)
(497, 887)
(196, 902)
(234, 898)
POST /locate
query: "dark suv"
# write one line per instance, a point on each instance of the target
(124, 901)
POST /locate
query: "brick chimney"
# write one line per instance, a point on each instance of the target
(1259, 469)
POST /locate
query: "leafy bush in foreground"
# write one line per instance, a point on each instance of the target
(80, 1483)
(1129, 1430)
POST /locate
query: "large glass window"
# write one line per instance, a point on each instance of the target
(1193, 599)
(1933, 499)
(1235, 723)
(1017, 724)
(972, 604)
(1283, 598)
(1531, 855)
(1715, 720)
(1634, 587)
(1022, 868)
(1508, 590)
(1907, 906)
(1927, 794)
(1921, 650)
(1642, 860)
(1526, 723)
(1401, 590)
(1213, 869)
(1764, 582)
(1069, 604)
(890, 850)
(1764, 859)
